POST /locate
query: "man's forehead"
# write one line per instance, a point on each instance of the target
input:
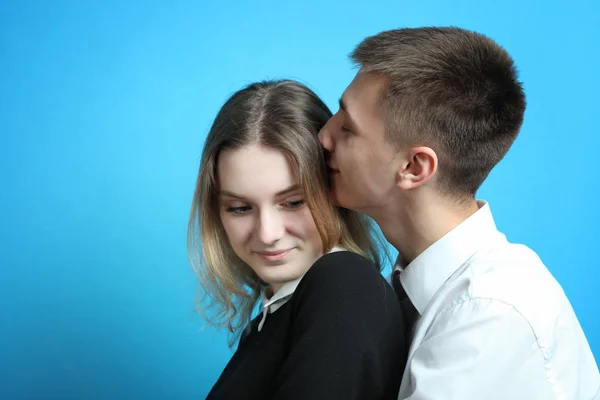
(365, 87)
(351, 91)
(362, 97)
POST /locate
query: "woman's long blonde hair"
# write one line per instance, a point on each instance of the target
(287, 116)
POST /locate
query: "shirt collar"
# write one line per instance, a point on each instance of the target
(279, 298)
(424, 276)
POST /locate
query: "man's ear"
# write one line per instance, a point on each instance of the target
(418, 167)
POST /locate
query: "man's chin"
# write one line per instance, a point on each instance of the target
(343, 201)
(334, 197)
(340, 199)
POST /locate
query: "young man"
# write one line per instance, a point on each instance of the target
(429, 114)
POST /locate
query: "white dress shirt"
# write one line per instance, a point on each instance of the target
(493, 323)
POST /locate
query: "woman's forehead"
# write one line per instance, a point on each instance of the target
(256, 171)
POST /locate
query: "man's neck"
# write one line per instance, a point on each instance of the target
(415, 223)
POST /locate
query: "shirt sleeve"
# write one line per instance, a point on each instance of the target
(348, 334)
(479, 349)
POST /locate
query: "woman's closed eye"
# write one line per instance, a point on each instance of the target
(294, 204)
(238, 209)
(246, 209)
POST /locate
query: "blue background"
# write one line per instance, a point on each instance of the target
(104, 107)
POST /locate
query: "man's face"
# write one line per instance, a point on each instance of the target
(362, 162)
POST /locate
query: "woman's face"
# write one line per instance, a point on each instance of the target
(266, 219)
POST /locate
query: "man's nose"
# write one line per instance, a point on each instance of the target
(325, 137)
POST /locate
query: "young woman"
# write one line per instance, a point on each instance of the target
(262, 227)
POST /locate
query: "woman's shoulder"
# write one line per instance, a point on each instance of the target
(343, 269)
(346, 283)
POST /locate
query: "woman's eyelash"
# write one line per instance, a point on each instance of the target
(294, 204)
(238, 210)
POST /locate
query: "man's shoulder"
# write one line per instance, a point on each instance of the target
(510, 283)
(515, 276)
(512, 273)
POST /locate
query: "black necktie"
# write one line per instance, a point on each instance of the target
(410, 312)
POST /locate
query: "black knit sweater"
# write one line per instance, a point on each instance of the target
(340, 336)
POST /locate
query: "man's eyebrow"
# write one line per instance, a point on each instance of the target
(289, 190)
(344, 108)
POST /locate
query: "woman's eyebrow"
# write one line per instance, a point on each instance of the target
(289, 190)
